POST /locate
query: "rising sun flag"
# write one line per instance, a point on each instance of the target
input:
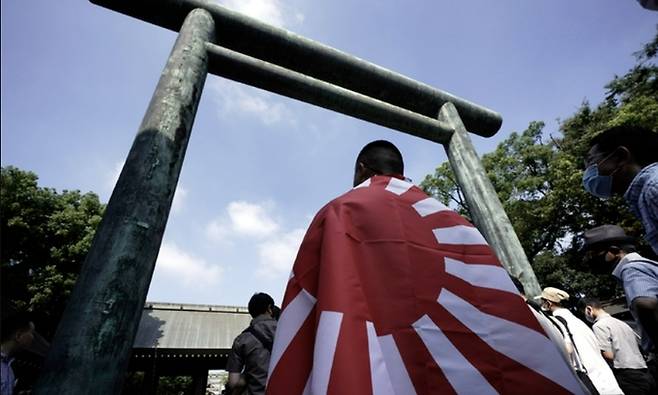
(394, 293)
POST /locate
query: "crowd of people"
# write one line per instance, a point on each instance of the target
(606, 357)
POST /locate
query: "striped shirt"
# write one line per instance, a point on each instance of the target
(642, 197)
(639, 277)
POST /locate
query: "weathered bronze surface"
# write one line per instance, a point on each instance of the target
(485, 207)
(92, 345)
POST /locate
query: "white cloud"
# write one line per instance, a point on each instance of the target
(274, 247)
(235, 99)
(277, 254)
(251, 219)
(175, 264)
(268, 11)
(218, 230)
(244, 219)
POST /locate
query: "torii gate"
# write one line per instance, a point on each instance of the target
(92, 346)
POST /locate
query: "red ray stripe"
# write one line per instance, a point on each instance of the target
(499, 303)
(292, 371)
(479, 259)
(505, 374)
(425, 374)
(350, 372)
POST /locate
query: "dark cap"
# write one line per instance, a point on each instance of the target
(606, 235)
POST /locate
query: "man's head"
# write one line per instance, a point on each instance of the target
(260, 303)
(552, 298)
(616, 156)
(276, 312)
(591, 307)
(606, 245)
(17, 332)
(377, 158)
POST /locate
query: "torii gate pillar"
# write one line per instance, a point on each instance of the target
(93, 342)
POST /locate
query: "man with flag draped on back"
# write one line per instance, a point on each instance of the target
(394, 293)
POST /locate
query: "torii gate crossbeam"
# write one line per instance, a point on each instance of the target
(92, 346)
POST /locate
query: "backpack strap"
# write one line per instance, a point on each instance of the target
(566, 326)
(555, 325)
(548, 317)
(267, 343)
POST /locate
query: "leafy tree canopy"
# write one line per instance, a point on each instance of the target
(45, 238)
(537, 175)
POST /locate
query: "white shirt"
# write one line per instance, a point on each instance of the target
(590, 355)
(554, 334)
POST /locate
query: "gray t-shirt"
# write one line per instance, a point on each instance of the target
(616, 336)
(249, 357)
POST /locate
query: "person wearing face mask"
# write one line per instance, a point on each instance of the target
(619, 346)
(558, 334)
(610, 247)
(623, 160)
(588, 356)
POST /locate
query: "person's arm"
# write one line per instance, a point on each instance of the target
(641, 287)
(234, 366)
(236, 383)
(646, 309)
(604, 340)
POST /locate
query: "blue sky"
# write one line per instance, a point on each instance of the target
(76, 80)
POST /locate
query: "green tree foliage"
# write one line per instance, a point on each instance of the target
(537, 176)
(166, 385)
(45, 238)
(175, 385)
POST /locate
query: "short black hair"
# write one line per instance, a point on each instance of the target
(276, 312)
(584, 302)
(382, 156)
(641, 142)
(13, 323)
(259, 303)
